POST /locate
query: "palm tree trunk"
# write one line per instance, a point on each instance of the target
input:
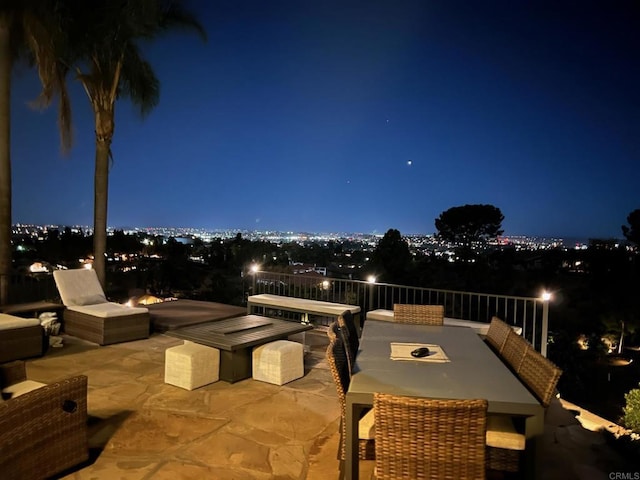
(104, 135)
(5, 162)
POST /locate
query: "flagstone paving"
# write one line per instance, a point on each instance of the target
(142, 428)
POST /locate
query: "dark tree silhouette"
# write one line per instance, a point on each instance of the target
(470, 223)
(632, 231)
(392, 258)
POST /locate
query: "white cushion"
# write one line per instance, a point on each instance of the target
(108, 310)
(20, 388)
(367, 427)
(10, 322)
(481, 328)
(501, 433)
(301, 304)
(79, 286)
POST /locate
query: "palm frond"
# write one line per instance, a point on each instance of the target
(138, 81)
(41, 37)
(176, 16)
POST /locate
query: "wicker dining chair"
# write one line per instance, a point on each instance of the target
(540, 374)
(497, 334)
(514, 350)
(349, 333)
(422, 438)
(337, 359)
(505, 443)
(418, 314)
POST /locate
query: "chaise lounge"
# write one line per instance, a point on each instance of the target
(90, 316)
(20, 338)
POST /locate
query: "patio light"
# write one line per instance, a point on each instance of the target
(371, 279)
(546, 296)
(254, 268)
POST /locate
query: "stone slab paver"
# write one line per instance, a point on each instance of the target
(142, 428)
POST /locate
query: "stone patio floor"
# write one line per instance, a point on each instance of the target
(142, 428)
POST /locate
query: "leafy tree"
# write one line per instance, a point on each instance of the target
(632, 410)
(109, 64)
(470, 223)
(632, 231)
(392, 258)
(25, 31)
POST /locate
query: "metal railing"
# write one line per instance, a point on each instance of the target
(529, 313)
(32, 287)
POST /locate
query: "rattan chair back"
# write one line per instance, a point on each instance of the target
(338, 361)
(540, 374)
(350, 336)
(514, 350)
(418, 314)
(497, 334)
(421, 438)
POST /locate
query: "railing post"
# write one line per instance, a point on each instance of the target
(545, 324)
(372, 281)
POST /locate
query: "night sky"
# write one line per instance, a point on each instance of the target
(349, 116)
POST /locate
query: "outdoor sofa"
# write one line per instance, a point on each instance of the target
(43, 427)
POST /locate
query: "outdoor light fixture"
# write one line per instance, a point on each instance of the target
(546, 296)
(254, 268)
(371, 279)
(326, 284)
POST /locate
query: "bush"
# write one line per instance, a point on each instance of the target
(631, 410)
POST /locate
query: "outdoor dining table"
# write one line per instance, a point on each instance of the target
(473, 370)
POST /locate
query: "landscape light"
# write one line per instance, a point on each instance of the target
(546, 296)
(254, 268)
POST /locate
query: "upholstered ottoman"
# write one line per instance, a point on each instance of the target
(191, 365)
(278, 362)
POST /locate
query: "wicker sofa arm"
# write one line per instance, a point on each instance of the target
(44, 432)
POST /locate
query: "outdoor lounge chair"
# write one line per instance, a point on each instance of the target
(43, 427)
(90, 316)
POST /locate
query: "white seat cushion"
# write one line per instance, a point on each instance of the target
(367, 427)
(108, 310)
(10, 322)
(20, 388)
(502, 433)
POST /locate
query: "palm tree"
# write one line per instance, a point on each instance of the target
(26, 29)
(110, 65)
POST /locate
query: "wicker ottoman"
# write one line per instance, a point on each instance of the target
(278, 362)
(191, 365)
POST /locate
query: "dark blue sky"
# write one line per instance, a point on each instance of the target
(362, 116)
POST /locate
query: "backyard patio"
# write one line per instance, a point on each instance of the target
(142, 428)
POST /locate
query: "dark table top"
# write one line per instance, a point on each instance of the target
(239, 332)
(182, 313)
